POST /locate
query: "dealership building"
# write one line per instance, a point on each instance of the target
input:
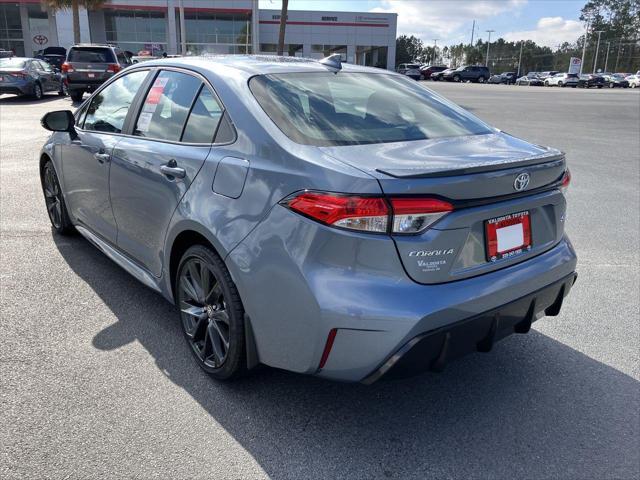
(209, 26)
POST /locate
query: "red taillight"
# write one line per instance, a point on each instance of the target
(370, 214)
(66, 67)
(327, 347)
(113, 67)
(353, 212)
(566, 180)
(19, 74)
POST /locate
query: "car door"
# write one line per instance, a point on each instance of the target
(48, 76)
(86, 158)
(153, 167)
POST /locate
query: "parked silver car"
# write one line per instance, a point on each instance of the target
(341, 221)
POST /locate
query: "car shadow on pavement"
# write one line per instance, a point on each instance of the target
(15, 100)
(532, 408)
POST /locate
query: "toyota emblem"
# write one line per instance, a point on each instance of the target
(521, 182)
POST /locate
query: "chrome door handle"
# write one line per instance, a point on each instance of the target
(102, 157)
(175, 172)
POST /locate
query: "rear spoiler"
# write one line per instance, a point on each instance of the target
(426, 172)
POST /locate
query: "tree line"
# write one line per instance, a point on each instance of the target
(618, 21)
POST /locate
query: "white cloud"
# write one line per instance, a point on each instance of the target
(550, 32)
(429, 19)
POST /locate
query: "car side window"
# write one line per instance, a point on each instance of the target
(167, 105)
(122, 58)
(109, 107)
(45, 66)
(204, 118)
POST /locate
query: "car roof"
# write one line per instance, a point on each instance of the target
(257, 64)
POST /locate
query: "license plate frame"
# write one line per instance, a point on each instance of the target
(508, 235)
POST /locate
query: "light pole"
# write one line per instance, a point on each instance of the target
(606, 59)
(584, 45)
(473, 29)
(435, 55)
(595, 60)
(486, 63)
(520, 58)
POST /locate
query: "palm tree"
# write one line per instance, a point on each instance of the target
(74, 5)
(283, 24)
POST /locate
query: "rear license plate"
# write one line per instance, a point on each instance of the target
(91, 75)
(508, 235)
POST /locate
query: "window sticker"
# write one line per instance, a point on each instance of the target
(144, 120)
(151, 103)
(155, 94)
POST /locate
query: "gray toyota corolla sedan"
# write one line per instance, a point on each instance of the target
(328, 219)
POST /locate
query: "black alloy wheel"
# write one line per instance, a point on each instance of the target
(76, 95)
(37, 91)
(54, 200)
(211, 313)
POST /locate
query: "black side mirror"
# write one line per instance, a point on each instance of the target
(59, 121)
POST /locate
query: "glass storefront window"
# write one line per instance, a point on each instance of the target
(371, 56)
(11, 28)
(326, 50)
(216, 33)
(292, 50)
(136, 30)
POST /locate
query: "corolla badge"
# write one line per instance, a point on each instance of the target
(521, 182)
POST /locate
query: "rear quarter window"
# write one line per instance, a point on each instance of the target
(203, 119)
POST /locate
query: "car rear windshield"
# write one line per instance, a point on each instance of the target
(91, 55)
(12, 63)
(324, 109)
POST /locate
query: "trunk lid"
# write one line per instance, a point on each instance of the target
(477, 174)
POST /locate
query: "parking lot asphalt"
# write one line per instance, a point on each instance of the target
(96, 380)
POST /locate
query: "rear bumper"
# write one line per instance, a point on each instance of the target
(84, 85)
(299, 280)
(432, 350)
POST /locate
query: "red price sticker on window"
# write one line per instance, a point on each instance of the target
(156, 92)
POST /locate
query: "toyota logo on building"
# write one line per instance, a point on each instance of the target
(521, 182)
(40, 39)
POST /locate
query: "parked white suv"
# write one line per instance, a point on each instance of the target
(562, 80)
(411, 70)
(634, 80)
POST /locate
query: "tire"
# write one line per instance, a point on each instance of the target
(612, 85)
(456, 78)
(76, 95)
(211, 313)
(54, 200)
(560, 84)
(37, 91)
(546, 84)
(480, 79)
(600, 86)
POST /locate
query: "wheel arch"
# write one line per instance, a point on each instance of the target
(181, 242)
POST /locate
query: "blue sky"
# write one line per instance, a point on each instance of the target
(548, 22)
